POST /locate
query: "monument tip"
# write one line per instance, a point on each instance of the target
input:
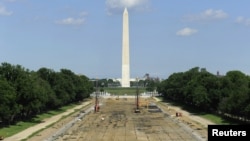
(125, 9)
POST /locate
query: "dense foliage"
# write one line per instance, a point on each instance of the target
(227, 95)
(25, 93)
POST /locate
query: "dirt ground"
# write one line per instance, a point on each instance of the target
(117, 121)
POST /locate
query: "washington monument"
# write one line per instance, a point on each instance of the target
(125, 51)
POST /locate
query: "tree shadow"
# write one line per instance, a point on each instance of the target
(224, 120)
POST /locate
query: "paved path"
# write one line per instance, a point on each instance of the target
(29, 131)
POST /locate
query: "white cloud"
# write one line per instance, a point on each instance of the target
(71, 21)
(118, 5)
(74, 21)
(207, 15)
(243, 20)
(4, 11)
(83, 14)
(240, 19)
(186, 31)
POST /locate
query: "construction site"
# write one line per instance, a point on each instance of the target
(125, 118)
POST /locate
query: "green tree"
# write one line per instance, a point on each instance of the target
(8, 106)
(200, 97)
(50, 76)
(83, 87)
(236, 93)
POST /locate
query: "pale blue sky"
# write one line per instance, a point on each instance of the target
(166, 36)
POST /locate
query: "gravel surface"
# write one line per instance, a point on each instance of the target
(116, 121)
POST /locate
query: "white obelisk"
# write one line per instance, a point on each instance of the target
(125, 51)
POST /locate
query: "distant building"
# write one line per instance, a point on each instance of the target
(218, 74)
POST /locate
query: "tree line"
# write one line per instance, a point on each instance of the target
(25, 93)
(150, 83)
(228, 95)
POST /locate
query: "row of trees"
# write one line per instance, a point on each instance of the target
(25, 93)
(229, 94)
(150, 83)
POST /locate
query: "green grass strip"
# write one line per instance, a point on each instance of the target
(122, 91)
(217, 119)
(22, 125)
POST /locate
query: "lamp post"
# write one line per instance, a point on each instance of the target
(96, 97)
(137, 110)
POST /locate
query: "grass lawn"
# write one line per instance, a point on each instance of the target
(217, 119)
(22, 125)
(122, 91)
